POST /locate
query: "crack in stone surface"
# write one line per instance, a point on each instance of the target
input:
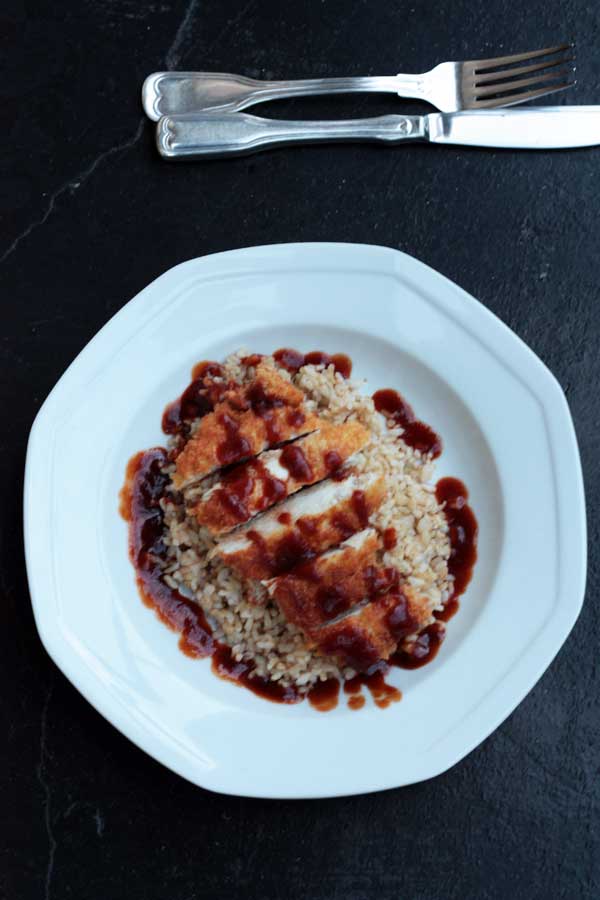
(175, 51)
(172, 57)
(73, 184)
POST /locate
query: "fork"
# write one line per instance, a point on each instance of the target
(450, 86)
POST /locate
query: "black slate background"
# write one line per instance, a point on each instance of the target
(89, 217)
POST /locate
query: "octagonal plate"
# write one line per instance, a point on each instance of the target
(507, 433)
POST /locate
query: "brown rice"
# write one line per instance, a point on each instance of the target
(240, 612)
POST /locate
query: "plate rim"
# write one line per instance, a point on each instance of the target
(562, 619)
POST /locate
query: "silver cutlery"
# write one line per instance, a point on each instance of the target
(451, 86)
(213, 134)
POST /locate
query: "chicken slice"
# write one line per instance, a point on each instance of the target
(252, 487)
(302, 526)
(325, 587)
(372, 633)
(248, 419)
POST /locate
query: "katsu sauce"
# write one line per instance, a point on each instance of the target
(462, 526)
(415, 433)
(140, 498)
(144, 495)
(293, 360)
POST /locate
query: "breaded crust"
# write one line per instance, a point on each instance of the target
(317, 591)
(372, 633)
(302, 526)
(248, 419)
(254, 486)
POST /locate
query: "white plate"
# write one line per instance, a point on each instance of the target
(507, 433)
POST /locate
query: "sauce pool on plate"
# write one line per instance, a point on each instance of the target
(414, 432)
(293, 360)
(145, 486)
(140, 506)
(462, 524)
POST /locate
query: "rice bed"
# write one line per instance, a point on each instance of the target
(240, 612)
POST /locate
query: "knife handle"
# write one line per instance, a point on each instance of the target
(233, 134)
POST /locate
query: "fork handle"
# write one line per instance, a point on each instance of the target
(226, 134)
(173, 93)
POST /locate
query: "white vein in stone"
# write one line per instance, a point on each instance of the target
(175, 51)
(73, 184)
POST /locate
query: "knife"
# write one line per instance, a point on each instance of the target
(205, 135)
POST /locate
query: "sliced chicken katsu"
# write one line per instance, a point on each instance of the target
(252, 487)
(247, 420)
(328, 585)
(374, 631)
(302, 526)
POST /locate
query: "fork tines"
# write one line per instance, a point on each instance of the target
(501, 81)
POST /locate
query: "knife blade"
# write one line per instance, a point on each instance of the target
(202, 135)
(536, 128)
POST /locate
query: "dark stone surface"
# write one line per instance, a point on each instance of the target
(89, 217)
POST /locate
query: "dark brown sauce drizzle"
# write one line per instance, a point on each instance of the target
(463, 531)
(381, 581)
(344, 525)
(399, 620)
(361, 508)
(383, 694)
(356, 701)
(235, 446)
(451, 607)
(332, 600)
(140, 505)
(293, 459)
(291, 550)
(264, 405)
(390, 538)
(198, 399)
(237, 487)
(274, 490)
(235, 493)
(206, 390)
(333, 462)
(252, 360)
(307, 527)
(293, 360)
(415, 433)
(463, 554)
(353, 645)
(296, 418)
(241, 673)
(297, 546)
(424, 649)
(324, 695)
